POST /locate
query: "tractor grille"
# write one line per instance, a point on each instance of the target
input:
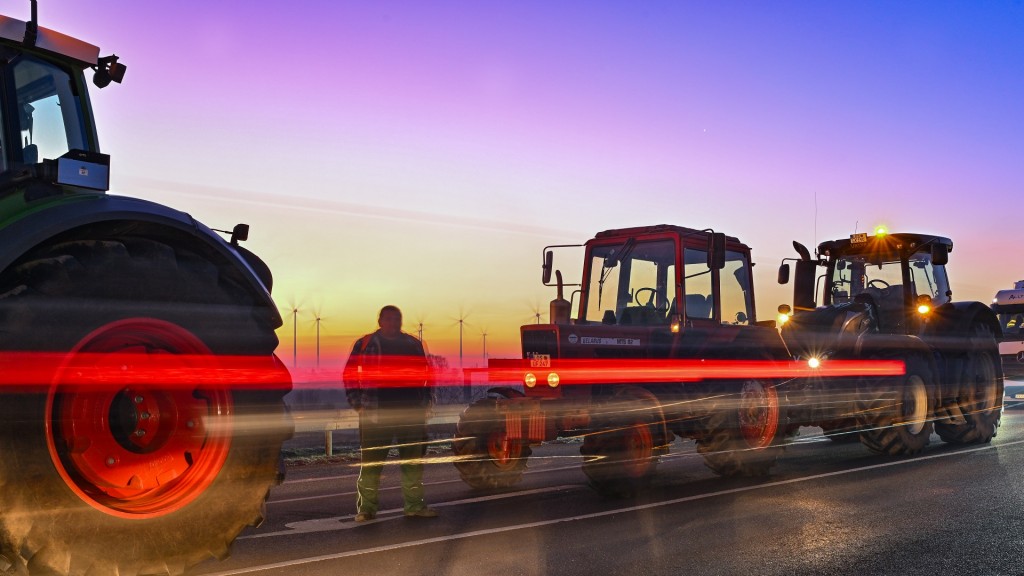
(540, 342)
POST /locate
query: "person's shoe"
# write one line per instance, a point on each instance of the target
(365, 516)
(422, 513)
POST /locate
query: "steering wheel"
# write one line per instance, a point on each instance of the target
(885, 285)
(650, 299)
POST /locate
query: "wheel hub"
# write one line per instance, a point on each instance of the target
(142, 449)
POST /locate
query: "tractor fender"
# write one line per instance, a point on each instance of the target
(958, 318)
(102, 212)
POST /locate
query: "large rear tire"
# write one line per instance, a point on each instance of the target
(742, 432)
(485, 456)
(896, 413)
(980, 394)
(620, 456)
(144, 476)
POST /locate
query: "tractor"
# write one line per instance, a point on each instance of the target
(141, 413)
(658, 306)
(887, 296)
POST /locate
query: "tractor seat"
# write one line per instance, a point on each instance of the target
(698, 306)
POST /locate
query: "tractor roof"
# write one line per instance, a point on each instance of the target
(883, 246)
(12, 30)
(658, 229)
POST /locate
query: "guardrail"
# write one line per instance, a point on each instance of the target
(329, 421)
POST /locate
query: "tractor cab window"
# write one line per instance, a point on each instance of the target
(48, 112)
(736, 290)
(926, 278)
(632, 283)
(856, 276)
(700, 299)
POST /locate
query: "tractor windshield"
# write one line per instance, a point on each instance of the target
(882, 280)
(48, 112)
(632, 283)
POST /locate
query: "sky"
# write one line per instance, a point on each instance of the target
(423, 154)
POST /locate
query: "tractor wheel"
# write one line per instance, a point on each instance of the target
(619, 457)
(485, 457)
(895, 413)
(121, 472)
(843, 431)
(742, 432)
(980, 397)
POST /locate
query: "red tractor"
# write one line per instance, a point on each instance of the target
(141, 414)
(650, 300)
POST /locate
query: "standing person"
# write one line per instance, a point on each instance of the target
(386, 383)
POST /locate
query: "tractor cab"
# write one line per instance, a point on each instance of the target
(49, 138)
(648, 293)
(897, 278)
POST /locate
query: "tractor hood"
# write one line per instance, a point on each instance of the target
(828, 330)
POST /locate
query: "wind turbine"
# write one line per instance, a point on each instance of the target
(461, 321)
(317, 319)
(293, 310)
(536, 313)
(483, 333)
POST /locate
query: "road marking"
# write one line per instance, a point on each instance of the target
(335, 523)
(541, 523)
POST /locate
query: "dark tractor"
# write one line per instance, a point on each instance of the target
(141, 414)
(887, 297)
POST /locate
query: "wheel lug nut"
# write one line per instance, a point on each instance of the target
(111, 461)
(144, 415)
(140, 433)
(138, 399)
(190, 424)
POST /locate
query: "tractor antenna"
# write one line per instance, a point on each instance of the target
(815, 219)
(32, 28)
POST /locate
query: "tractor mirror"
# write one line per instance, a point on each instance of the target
(940, 254)
(546, 267)
(784, 274)
(239, 233)
(716, 251)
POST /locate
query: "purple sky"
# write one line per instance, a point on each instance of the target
(495, 128)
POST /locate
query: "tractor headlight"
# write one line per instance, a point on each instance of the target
(553, 380)
(530, 380)
(924, 304)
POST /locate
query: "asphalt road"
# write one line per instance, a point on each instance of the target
(826, 509)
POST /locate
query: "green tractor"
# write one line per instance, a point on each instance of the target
(886, 297)
(141, 412)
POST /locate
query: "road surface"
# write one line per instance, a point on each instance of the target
(826, 509)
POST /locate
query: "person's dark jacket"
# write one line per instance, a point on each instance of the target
(387, 373)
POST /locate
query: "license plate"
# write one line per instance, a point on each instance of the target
(859, 238)
(1019, 396)
(540, 361)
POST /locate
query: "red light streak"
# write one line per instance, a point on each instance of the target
(41, 370)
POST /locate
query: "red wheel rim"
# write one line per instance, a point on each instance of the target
(639, 448)
(759, 413)
(142, 449)
(502, 451)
